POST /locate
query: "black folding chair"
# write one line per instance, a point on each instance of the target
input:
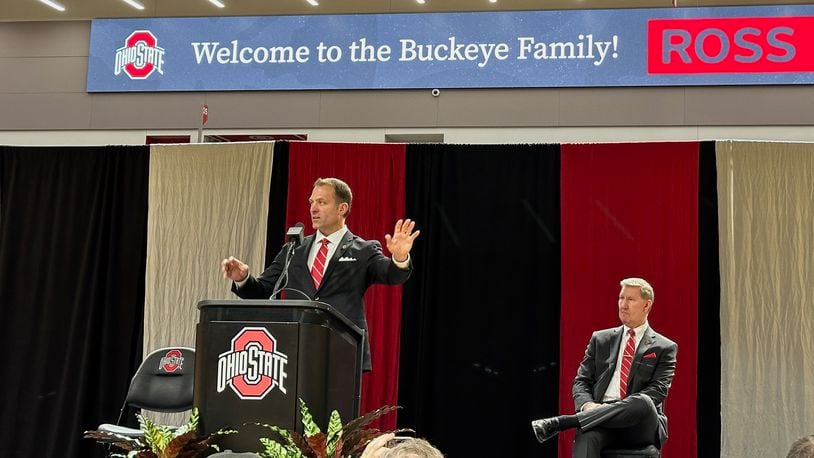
(163, 383)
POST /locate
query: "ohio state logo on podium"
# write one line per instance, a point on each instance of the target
(253, 367)
(140, 56)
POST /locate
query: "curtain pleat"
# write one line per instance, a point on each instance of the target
(631, 210)
(709, 307)
(207, 202)
(766, 216)
(480, 339)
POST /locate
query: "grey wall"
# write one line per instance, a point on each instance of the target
(43, 67)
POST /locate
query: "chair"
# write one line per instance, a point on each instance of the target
(650, 452)
(162, 383)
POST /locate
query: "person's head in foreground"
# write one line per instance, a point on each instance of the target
(802, 448)
(407, 448)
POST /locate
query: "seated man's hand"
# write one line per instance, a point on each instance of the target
(590, 405)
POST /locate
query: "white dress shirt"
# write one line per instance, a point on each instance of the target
(612, 393)
(334, 240)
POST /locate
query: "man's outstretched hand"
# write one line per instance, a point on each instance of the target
(401, 242)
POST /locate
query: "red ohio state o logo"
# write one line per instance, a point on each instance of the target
(140, 56)
(173, 361)
(253, 367)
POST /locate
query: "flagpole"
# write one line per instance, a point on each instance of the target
(204, 118)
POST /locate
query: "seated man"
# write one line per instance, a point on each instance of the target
(621, 382)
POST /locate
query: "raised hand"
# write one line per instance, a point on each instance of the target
(401, 242)
(234, 269)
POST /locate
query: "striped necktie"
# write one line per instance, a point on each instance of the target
(627, 361)
(318, 269)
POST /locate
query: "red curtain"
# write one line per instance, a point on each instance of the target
(375, 173)
(631, 210)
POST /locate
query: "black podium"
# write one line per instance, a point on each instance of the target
(254, 358)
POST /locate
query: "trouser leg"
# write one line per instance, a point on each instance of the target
(589, 444)
(633, 419)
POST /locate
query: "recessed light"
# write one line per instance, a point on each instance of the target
(134, 4)
(217, 3)
(421, 2)
(492, 1)
(313, 2)
(53, 5)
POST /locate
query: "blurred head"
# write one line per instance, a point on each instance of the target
(330, 203)
(635, 301)
(413, 448)
(802, 448)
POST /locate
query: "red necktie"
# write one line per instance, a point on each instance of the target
(319, 263)
(627, 361)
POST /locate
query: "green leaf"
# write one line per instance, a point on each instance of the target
(334, 431)
(156, 436)
(191, 424)
(274, 449)
(308, 422)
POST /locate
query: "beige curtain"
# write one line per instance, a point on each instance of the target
(207, 201)
(766, 223)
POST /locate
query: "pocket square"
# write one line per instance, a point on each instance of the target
(650, 355)
(346, 259)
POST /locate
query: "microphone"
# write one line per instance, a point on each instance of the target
(294, 238)
(295, 233)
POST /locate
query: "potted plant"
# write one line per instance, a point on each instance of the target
(339, 441)
(160, 441)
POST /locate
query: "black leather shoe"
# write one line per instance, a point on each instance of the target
(545, 428)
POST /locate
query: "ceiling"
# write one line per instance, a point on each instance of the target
(33, 10)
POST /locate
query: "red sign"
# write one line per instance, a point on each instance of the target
(730, 45)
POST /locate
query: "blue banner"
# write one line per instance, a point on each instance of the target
(574, 48)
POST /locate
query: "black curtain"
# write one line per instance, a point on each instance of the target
(278, 202)
(73, 225)
(480, 331)
(708, 409)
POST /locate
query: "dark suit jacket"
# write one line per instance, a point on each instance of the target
(343, 284)
(651, 376)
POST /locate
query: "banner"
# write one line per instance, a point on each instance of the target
(574, 48)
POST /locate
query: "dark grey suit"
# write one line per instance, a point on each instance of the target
(343, 284)
(639, 418)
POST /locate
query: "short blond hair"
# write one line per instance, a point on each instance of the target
(647, 290)
(413, 448)
(802, 448)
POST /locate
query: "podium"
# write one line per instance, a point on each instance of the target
(255, 358)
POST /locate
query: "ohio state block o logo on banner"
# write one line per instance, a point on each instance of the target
(140, 56)
(254, 366)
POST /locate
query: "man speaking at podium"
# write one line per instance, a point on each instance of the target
(333, 265)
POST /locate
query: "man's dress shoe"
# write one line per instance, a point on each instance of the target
(545, 428)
